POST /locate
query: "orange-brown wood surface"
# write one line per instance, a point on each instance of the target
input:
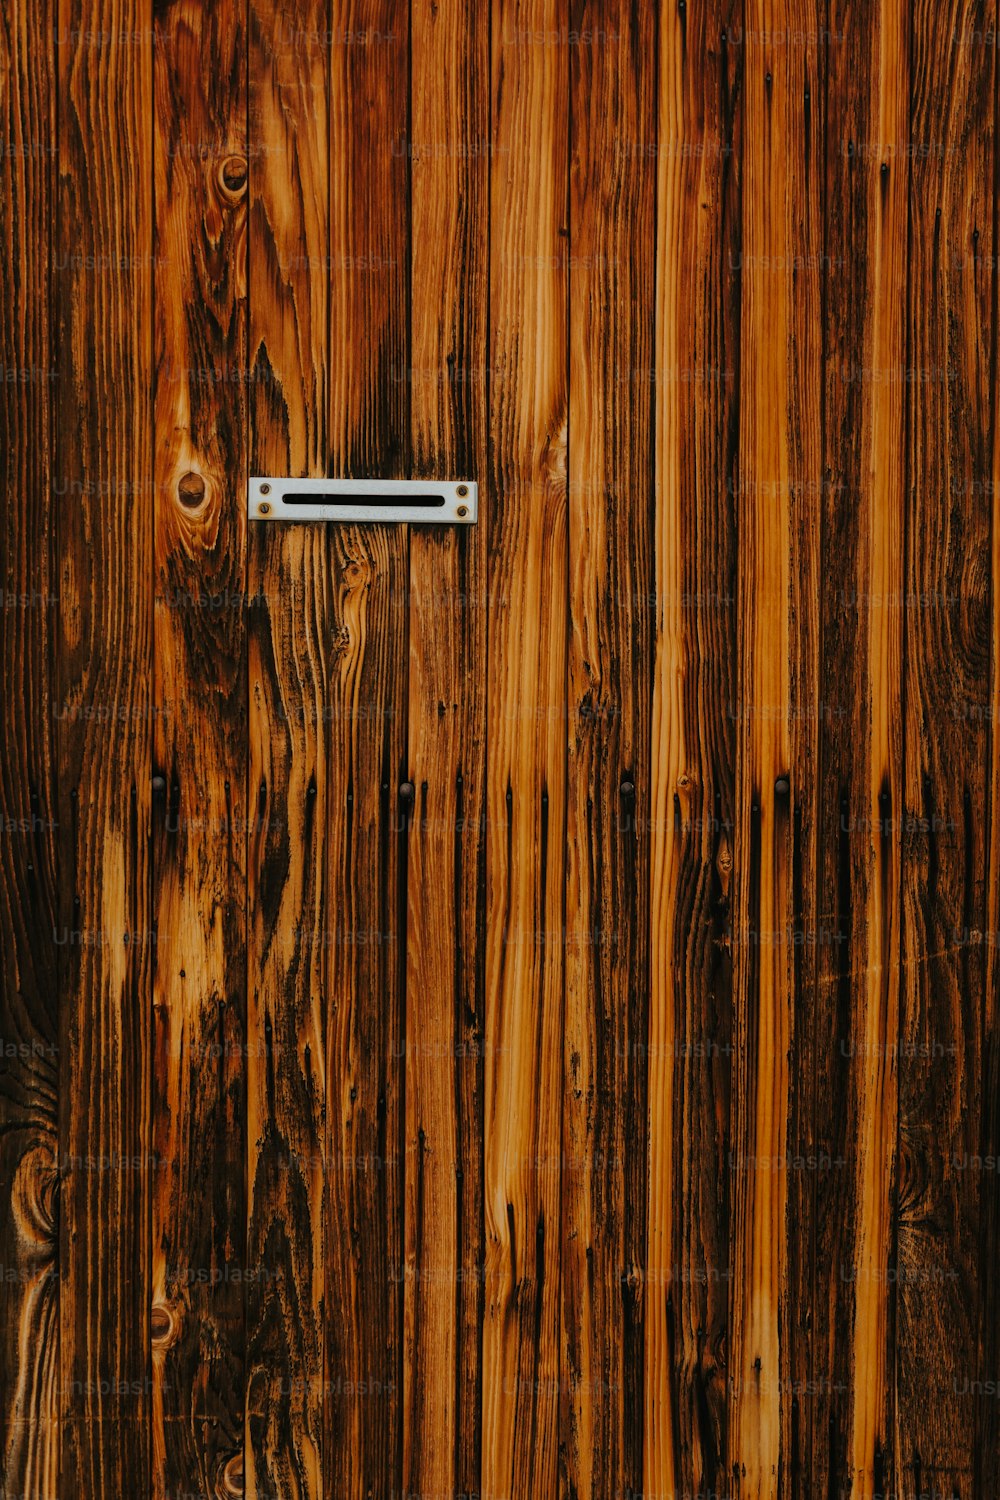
(199, 816)
(500, 1011)
(29, 952)
(101, 267)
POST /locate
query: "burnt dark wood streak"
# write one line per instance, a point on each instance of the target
(612, 233)
(199, 749)
(796, 275)
(29, 1094)
(776, 711)
(289, 649)
(447, 382)
(367, 816)
(847, 1423)
(102, 472)
(693, 607)
(941, 1279)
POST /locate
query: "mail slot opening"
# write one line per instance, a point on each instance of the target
(417, 500)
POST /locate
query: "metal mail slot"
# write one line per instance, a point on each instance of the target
(428, 502)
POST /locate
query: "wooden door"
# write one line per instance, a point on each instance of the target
(508, 1010)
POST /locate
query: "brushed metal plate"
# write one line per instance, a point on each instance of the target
(421, 502)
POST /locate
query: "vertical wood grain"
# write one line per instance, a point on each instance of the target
(29, 1142)
(939, 1280)
(986, 1455)
(446, 377)
(609, 458)
(366, 821)
(102, 473)
(776, 728)
(586, 1078)
(798, 274)
(762, 970)
(856, 1001)
(289, 652)
(199, 752)
(692, 843)
(526, 749)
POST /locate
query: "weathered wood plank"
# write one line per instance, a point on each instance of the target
(103, 470)
(199, 752)
(986, 1456)
(855, 1005)
(948, 634)
(797, 273)
(691, 817)
(365, 826)
(289, 909)
(446, 379)
(29, 1141)
(289, 651)
(526, 744)
(761, 963)
(778, 486)
(612, 238)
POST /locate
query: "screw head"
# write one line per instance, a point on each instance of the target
(463, 510)
(407, 792)
(463, 489)
(263, 509)
(265, 489)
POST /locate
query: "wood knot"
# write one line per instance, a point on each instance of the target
(912, 1178)
(33, 1199)
(232, 1476)
(233, 176)
(191, 489)
(162, 1325)
(357, 574)
(553, 457)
